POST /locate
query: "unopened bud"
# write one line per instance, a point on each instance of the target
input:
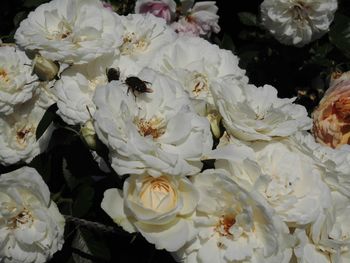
(45, 69)
(214, 119)
(88, 134)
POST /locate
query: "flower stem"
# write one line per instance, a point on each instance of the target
(96, 226)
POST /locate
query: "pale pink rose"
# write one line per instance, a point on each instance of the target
(204, 13)
(201, 20)
(186, 27)
(332, 116)
(108, 6)
(161, 8)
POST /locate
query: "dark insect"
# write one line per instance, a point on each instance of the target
(136, 84)
(113, 74)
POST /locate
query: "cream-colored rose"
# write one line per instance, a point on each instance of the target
(234, 225)
(31, 226)
(331, 124)
(152, 133)
(71, 31)
(17, 84)
(157, 207)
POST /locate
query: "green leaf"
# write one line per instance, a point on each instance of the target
(83, 200)
(89, 246)
(248, 19)
(46, 120)
(19, 17)
(227, 43)
(72, 182)
(339, 33)
(43, 164)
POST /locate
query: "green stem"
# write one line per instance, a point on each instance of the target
(96, 226)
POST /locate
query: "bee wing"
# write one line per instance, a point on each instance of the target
(149, 90)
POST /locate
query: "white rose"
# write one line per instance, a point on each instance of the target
(252, 113)
(159, 208)
(204, 14)
(16, 79)
(234, 225)
(293, 182)
(335, 162)
(183, 60)
(76, 87)
(71, 31)
(327, 239)
(165, 9)
(31, 227)
(282, 174)
(18, 133)
(151, 132)
(297, 22)
(306, 251)
(143, 36)
(338, 170)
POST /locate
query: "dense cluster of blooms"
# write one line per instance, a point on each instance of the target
(158, 99)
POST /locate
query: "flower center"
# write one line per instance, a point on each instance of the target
(63, 31)
(154, 127)
(158, 194)
(341, 108)
(99, 80)
(4, 75)
(200, 83)
(133, 43)
(23, 134)
(300, 11)
(224, 225)
(20, 219)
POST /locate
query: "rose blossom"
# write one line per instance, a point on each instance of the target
(17, 84)
(183, 61)
(234, 225)
(159, 208)
(201, 20)
(76, 87)
(71, 31)
(334, 162)
(18, 141)
(331, 124)
(297, 22)
(31, 226)
(151, 132)
(281, 173)
(161, 8)
(143, 36)
(250, 113)
(327, 240)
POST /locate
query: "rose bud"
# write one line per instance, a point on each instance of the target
(331, 119)
(45, 69)
(165, 8)
(89, 135)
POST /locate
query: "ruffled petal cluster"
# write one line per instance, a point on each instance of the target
(31, 227)
(233, 225)
(159, 208)
(18, 141)
(71, 31)
(17, 84)
(250, 113)
(155, 132)
(297, 22)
